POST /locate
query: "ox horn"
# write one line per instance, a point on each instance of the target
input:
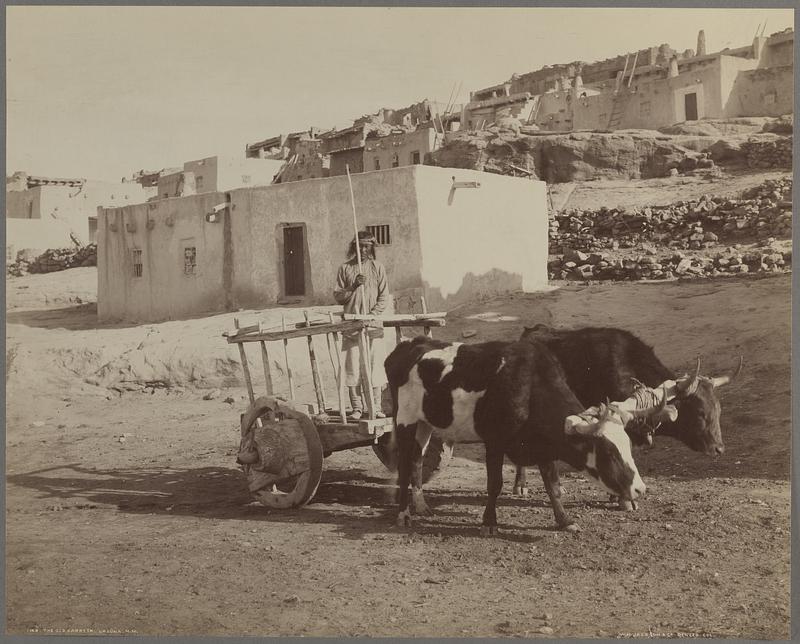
(688, 386)
(724, 380)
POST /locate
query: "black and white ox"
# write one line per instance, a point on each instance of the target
(513, 397)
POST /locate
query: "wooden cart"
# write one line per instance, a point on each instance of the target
(283, 442)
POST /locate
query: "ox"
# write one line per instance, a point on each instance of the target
(514, 398)
(605, 363)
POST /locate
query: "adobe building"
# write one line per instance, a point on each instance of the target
(400, 147)
(217, 174)
(647, 89)
(280, 244)
(47, 212)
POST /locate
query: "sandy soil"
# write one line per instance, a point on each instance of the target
(126, 513)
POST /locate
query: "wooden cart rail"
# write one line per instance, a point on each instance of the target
(282, 446)
(360, 324)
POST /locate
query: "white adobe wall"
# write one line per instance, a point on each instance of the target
(479, 242)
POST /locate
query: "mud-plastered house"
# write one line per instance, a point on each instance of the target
(450, 235)
(50, 212)
(647, 89)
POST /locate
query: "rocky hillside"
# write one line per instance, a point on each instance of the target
(509, 148)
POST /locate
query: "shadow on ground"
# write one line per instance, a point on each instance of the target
(357, 503)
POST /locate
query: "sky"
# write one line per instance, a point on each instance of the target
(101, 92)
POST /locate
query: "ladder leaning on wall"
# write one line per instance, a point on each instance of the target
(622, 95)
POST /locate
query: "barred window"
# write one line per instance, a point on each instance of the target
(138, 267)
(415, 157)
(381, 233)
(189, 260)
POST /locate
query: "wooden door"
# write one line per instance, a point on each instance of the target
(690, 104)
(294, 261)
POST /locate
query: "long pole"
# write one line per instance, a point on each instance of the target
(355, 228)
(364, 359)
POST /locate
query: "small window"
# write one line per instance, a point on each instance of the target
(415, 157)
(138, 268)
(246, 178)
(198, 183)
(644, 108)
(395, 160)
(377, 164)
(381, 233)
(189, 260)
(30, 210)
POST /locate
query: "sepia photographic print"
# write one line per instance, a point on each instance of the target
(398, 322)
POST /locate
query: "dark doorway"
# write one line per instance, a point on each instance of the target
(294, 261)
(690, 103)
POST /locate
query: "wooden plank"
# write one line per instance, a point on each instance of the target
(338, 370)
(267, 372)
(396, 317)
(318, 388)
(419, 323)
(286, 359)
(426, 330)
(338, 436)
(366, 373)
(245, 368)
(275, 336)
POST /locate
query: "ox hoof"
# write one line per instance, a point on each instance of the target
(521, 491)
(627, 506)
(422, 510)
(404, 520)
(489, 531)
(571, 527)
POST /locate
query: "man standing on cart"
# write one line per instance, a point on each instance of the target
(366, 293)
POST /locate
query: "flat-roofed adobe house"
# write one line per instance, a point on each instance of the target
(451, 235)
(48, 212)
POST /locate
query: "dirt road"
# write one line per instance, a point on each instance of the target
(128, 514)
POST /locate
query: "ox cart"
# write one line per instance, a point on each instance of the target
(283, 441)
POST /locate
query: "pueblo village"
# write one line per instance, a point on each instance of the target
(512, 364)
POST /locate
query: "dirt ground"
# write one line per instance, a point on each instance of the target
(127, 513)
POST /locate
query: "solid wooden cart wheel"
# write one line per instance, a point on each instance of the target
(289, 465)
(436, 456)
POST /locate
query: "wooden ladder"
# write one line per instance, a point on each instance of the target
(618, 109)
(622, 95)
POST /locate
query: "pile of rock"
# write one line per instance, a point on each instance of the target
(677, 240)
(775, 153)
(56, 259)
(577, 265)
(761, 213)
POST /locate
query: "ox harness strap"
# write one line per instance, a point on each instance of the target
(645, 397)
